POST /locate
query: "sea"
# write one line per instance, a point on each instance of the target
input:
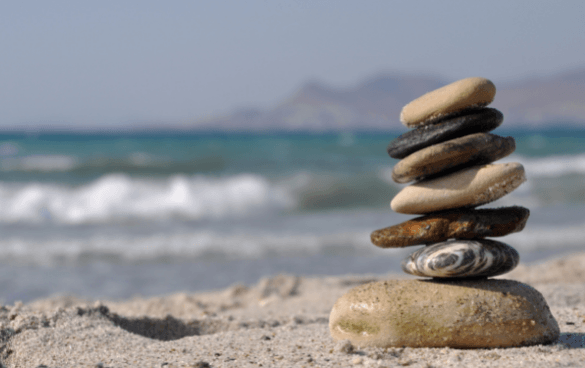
(118, 214)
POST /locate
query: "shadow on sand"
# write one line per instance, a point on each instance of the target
(575, 340)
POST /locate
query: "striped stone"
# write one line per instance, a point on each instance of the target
(462, 258)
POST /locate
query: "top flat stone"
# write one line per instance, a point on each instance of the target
(457, 96)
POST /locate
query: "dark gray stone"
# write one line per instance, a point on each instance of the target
(452, 126)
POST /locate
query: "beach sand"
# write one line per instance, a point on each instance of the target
(279, 322)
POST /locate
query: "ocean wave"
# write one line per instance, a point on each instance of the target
(545, 237)
(251, 243)
(333, 191)
(550, 166)
(38, 163)
(125, 197)
(116, 197)
(139, 163)
(142, 163)
(165, 247)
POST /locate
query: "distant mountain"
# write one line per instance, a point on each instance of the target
(543, 101)
(375, 104)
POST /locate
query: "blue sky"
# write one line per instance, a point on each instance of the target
(108, 63)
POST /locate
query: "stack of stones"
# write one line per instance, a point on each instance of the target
(449, 155)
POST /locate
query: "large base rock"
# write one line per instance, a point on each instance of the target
(484, 313)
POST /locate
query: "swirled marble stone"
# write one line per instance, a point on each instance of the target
(462, 258)
(453, 126)
(452, 155)
(481, 313)
(455, 224)
(469, 187)
(459, 95)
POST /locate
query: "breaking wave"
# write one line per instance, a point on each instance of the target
(116, 197)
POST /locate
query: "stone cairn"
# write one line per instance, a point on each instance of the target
(449, 155)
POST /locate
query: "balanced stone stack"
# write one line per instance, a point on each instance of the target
(449, 154)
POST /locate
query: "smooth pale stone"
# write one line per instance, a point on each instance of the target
(462, 258)
(454, 126)
(470, 187)
(486, 313)
(453, 155)
(463, 94)
(455, 224)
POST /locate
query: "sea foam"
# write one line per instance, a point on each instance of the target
(550, 166)
(250, 243)
(116, 197)
(39, 163)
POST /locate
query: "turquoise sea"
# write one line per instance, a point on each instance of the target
(111, 215)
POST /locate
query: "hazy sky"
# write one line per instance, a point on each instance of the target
(113, 62)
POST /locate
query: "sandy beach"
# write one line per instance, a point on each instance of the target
(279, 322)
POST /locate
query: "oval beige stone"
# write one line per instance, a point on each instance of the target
(470, 187)
(463, 94)
(486, 313)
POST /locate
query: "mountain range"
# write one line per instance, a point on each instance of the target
(375, 104)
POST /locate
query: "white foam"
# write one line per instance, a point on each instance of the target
(178, 246)
(8, 149)
(550, 166)
(117, 197)
(42, 163)
(542, 237)
(385, 174)
(244, 243)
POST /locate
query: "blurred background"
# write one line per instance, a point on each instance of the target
(151, 147)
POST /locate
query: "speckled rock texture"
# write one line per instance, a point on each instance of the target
(453, 155)
(452, 126)
(470, 187)
(465, 93)
(462, 259)
(458, 314)
(459, 224)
